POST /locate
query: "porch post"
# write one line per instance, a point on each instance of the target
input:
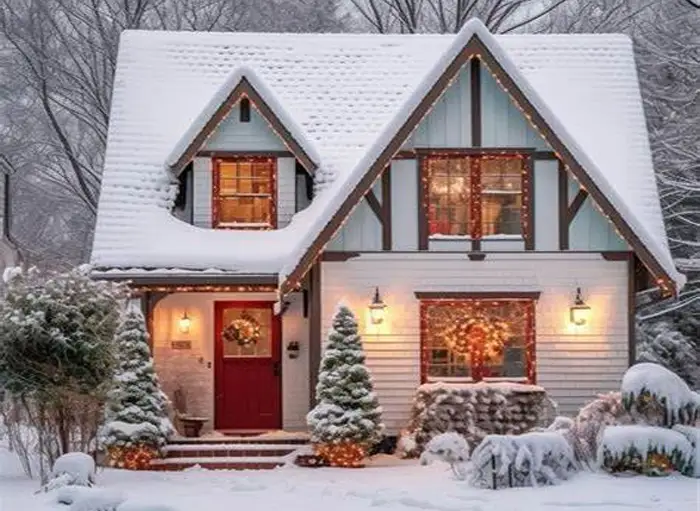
(314, 287)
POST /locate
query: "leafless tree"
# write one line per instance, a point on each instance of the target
(445, 16)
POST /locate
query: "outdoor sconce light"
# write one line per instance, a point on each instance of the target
(579, 313)
(376, 308)
(293, 349)
(184, 324)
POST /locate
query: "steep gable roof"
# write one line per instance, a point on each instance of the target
(353, 94)
(244, 82)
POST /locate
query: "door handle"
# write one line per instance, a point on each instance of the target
(276, 368)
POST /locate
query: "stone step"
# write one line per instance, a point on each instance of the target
(262, 439)
(222, 463)
(230, 450)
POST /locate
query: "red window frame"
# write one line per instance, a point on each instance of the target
(217, 199)
(476, 365)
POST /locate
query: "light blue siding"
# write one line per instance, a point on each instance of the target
(362, 231)
(502, 123)
(233, 135)
(546, 203)
(590, 230)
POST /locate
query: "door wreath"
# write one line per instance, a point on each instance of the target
(244, 331)
(478, 333)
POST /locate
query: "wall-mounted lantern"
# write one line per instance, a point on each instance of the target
(293, 349)
(377, 308)
(184, 324)
(579, 313)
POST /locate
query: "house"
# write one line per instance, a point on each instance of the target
(486, 204)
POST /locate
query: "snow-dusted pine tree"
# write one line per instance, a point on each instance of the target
(136, 412)
(347, 409)
(663, 343)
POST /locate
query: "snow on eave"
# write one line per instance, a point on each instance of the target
(238, 75)
(474, 28)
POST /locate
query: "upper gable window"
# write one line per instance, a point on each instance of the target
(244, 110)
(474, 195)
(243, 195)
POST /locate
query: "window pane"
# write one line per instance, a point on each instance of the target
(245, 210)
(449, 188)
(470, 338)
(247, 332)
(501, 199)
(246, 193)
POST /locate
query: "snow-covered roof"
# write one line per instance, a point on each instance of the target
(345, 96)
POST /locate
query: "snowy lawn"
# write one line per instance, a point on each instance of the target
(387, 485)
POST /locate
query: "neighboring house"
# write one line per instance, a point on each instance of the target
(253, 181)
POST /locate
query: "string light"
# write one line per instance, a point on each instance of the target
(136, 457)
(207, 289)
(345, 454)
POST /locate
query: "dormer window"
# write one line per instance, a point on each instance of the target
(244, 108)
(244, 191)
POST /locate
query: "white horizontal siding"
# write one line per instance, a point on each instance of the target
(572, 365)
(233, 135)
(286, 190)
(201, 196)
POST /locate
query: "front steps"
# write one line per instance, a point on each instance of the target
(229, 453)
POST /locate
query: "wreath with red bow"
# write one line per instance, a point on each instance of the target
(244, 331)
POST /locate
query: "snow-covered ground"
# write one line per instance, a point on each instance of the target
(387, 485)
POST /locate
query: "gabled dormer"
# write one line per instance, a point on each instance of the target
(247, 163)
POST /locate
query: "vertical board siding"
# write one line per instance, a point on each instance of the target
(503, 124)
(449, 122)
(201, 197)
(573, 365)
(233, 135)
(362, 231)
(286, 190)
(590, 230)
(192, 370)
(546, 204)
(404, 204)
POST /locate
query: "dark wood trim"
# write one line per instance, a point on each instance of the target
(314, 285)
(576, 167)
(216, 199)
(386, 208)
(529, 204)
(616, 255)
(563, 181)
(475, 78)
(241, 90)
(149, 300)
(474, 47)
(576, 205)
(406, 154)
(477, 295)
(422, 210)
(338, 256)
(374, 204)
(632, 266)
(476, 256)
(544, 155)
(244, 154)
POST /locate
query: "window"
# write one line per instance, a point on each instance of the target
(474, 339)
(244, 193)
(244, 110)
(475, 195)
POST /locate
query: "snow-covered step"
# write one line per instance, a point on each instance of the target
(231, 450)
(220, 463)
(269, 439)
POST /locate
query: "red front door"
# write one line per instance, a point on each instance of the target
(247, 368)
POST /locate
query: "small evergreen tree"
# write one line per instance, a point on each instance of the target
(663, 343)
(347, 408)
(136, 412)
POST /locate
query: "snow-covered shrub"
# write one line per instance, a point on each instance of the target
(663, 343)
(348, 411)
(136, 417)
(474, 410)
(450, 448)
(532, 459)
(606, 410)
(72, 469)
(561, 423)
(659, 397)
(88, 499)
(137, 506)
(644, 449)
(406, 446)
(56, 360)
(693, 436)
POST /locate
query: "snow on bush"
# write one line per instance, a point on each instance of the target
(136, 413)
(89, 499)
(73, 469)
(693, 436)
(137, 506)
(663, 343)
(531, 459)
(561, 423)
(604, 411)
(638, 448)
(474, 410)
(347, 409)
(657, 396)
(451, 448)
